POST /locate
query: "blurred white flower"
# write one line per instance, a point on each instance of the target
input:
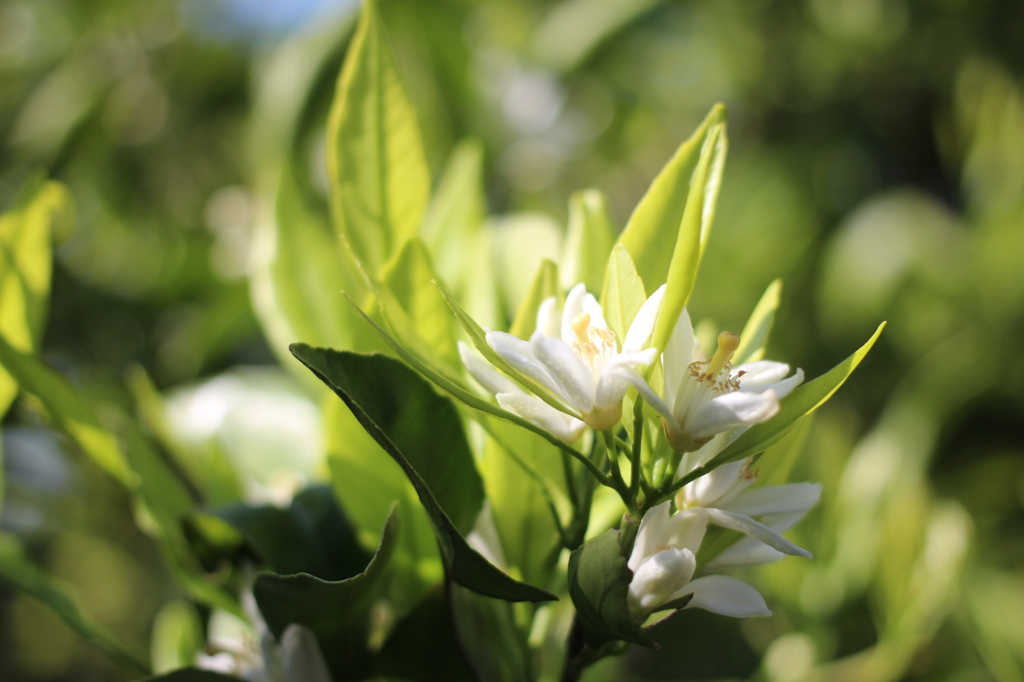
(703, 398)
(575, 358)
(663, 561)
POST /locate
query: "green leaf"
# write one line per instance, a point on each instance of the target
(408, 277)
(623, 294)
(457, 213)
(797, 405)
(651, 233)
(545, 285)
(599, 585)
(310, 536)
(572, 30)
(775, 463)
(422, 432)
(177, 636)
(494, 645)
(693, 233)
(26, 260)
(338, 612)
(588, 241)
(19, 571)
(755, 334)
(379, 181)
(68, 411)
(299, 273)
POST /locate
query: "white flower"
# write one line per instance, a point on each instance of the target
(724, 495)
(663, 561)
(296, 658)
(575, 358)
(704, 398)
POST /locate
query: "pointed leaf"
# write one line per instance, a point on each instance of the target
(19, 571)
(755, 334)
(338, 612)
(693, 233)
(798, 404)
(545, 285)
(379, 180)
(589, 240)
(651, 232)
(423, 433)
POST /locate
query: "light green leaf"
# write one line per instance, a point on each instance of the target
(755, 334)
(379, 181)
(68, 411)
(408, 278)
(651, 233)
(693, 233)
(299, 273)
(797, 405)
(423, 433)
(775, 463)
(588, 241)
(623, 293)
(177, 636)
(574, 29)
(545, 285)
(20, 572)
(42, 213)
(456, 214)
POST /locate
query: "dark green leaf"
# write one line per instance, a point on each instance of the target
(494, 645)
(310, 536)
(422, 432)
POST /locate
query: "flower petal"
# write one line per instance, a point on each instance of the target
(652, 399)
(731, 410)
(719, 486)
(658, 577)
(573, 307)
(643, 324)
(303, 661)
(520, 355)
(653, 526)
(745, 524)
(762, 373)
(775, 499)
(534, 410)
(593, 308)
(548, 319)
(726, 596)
(486, 374)
(749, 551)
(680, 351)
(567, 368)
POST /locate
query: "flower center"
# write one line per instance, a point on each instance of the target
(715, 372)
(594, 345)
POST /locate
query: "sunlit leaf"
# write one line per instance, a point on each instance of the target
(651, 233)
(379, 180)
(755, 334)
(68, 410)
(798, 404)
(588, 241)
(19, 571)
(177, 636)
(545, 285)
(623, 293)
(423, 433)
(693, 232)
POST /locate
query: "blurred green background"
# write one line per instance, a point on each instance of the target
(876, 165)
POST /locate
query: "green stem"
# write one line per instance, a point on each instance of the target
(613, 463)
(636, 471)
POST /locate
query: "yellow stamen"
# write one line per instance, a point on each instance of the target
(727, 345)
(580, 325)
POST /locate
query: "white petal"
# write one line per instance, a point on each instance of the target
(658, 577)
(775, 499)
(716, 488)
(745, 524)
(729, 411)
(643, 324)
(749, 551)
(678, 354)
(653, 399)
(303, 661)
(570, 372)
(653, 526)
(786, 386)
(760, 373)
(534, 410)
(658, 530)
(726, 596)
(548, 320)
(573, 307)
(593, 308)
(519, 354)
(687, 528)
(486, 374)
(614, 382)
